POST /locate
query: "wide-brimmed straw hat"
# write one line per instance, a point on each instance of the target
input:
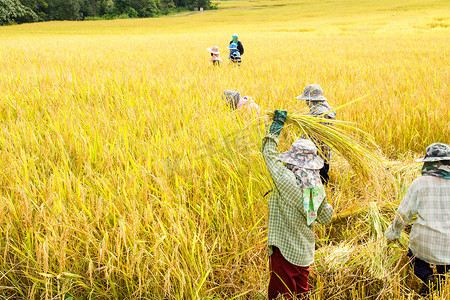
(436, 152)
(213, 50)
(303, 153)
(312, 92)
(232, 98)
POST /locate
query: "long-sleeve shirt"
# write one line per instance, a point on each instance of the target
(429, 198)
(287, 221)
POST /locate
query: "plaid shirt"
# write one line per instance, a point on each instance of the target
(287, 221)
(429, 198)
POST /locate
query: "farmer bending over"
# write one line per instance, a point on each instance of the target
(236, 102)
(297, 201)
(429, 198)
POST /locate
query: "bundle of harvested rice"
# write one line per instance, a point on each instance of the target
(344, 138)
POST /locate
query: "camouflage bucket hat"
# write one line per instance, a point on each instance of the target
(436, 152)
(303, 153)
(312, 92)
(232, 98)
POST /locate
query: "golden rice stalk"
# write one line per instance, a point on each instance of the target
(344, 138)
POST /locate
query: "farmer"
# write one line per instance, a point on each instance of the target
(235, 56)
(236, 102)
(297, 201)
(429, 198)
(319, 107)
(215, 55)
(238, 43)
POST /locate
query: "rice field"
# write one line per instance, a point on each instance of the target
(124, 175)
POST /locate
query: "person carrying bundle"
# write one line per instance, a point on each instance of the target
(296, 202)
(319, 107)
(429, 198)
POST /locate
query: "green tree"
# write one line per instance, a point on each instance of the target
(20, 11)
(104, 6)
(12, 11)
(123, 8)
(65, 9)
(40, 7)
(94, 6)
(145, 8)
(121, 5)
(167, 6)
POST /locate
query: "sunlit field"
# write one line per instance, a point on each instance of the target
(124, 175)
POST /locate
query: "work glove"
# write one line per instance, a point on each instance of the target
(278, 121)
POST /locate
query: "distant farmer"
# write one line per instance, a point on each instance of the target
(296, 202)
(215, 55)
(236, 102)
(319, 107)
(238, 43)
(428, 197)
(235, 56)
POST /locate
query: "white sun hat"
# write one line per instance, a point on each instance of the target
(213, 50)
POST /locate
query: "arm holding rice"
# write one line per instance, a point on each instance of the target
(405, 212)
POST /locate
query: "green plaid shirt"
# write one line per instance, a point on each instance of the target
(287, 221)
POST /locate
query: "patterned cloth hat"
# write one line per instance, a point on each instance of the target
(303, 153)
(436, 152)
(232, 98)
(312, 92)
(235, 36)
(232, 46)
(213, 50)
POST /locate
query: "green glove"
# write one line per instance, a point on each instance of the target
(278, 121)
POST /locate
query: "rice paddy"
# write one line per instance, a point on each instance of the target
(124, 175)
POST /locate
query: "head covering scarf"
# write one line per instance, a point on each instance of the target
(313, 190)
(437, 168)
(317, 108)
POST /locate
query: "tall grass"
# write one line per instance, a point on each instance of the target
(124, 175)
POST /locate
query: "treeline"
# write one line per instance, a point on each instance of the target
(24, 11)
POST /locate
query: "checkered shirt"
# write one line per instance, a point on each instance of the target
(287, 221)
(429, 198)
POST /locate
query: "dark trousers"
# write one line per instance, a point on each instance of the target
(422, 269)
(287, 279)
(236, 60)
(324, 173)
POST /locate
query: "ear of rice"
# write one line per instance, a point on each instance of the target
(342, 137)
